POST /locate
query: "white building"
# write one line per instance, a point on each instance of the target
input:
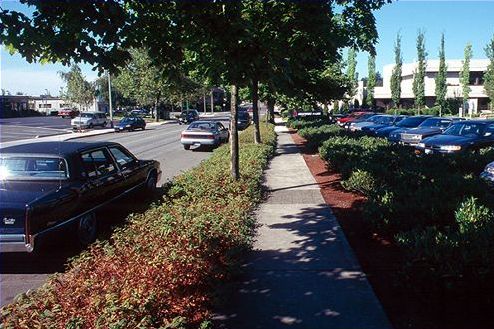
(51, 105)
(478, 99)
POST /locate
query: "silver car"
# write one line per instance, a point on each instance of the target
(210, 133)
(89, 120)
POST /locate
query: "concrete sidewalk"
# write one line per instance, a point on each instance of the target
(302, 272)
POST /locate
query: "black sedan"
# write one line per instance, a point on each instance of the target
(393, 133)
(430, 127)
(461, 136)
(130, 124)
(50, 186)
(243, 120)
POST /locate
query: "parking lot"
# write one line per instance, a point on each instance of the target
(31, 127)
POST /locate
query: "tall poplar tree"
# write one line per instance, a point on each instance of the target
(396, 74)
(351, 72)
(371, 80)
(465, 73)
(489, 73)
(441, 87)
(418, 79)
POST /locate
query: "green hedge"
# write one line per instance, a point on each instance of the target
(160, 269)
(420, 201)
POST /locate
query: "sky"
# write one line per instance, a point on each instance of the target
(460, 21)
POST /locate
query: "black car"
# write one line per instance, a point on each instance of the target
(188, 116)
(392, 133)
(461, 136)
(429, 127)
(50, 186)
(243, 120)
(130, 124)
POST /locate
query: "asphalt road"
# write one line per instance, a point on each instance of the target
(20, 272)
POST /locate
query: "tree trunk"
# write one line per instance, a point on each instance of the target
(234, 164)
(157, 117)
(270, 110)
(204, 102)
(255, 111)
(212, 101)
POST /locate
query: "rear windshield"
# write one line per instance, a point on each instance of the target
(411, 122)
(202, 125)
(33, 168)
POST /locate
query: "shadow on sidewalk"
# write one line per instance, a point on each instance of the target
(305, 276)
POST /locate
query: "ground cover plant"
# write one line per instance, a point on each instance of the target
(436, 208)
(160, 269)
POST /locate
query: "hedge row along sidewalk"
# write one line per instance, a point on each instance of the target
(159, 270)
(429, 220)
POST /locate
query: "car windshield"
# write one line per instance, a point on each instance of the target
(465, 129)
(435, 122)
(33, 168)
(243, 115)
(86, 115)
(384, 120)
(202, 126)
(367, 117)
(410, 122)
(128, 120)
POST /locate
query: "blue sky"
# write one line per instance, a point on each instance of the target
(461, 22)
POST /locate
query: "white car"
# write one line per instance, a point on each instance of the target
(89, 120)
(210, 133)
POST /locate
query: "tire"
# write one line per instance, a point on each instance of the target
(186, 147)
(87, 229)
(90, 126)
(104, 124)
(151, 183)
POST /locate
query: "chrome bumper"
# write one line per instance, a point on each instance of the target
(15, 243)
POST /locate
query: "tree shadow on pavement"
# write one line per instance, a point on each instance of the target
(305, 276)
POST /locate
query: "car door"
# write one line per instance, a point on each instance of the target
(488, 136)
(132, 169)
(223, 131)
(104, 181)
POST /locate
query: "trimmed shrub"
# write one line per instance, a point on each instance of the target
(303, 123)
(315, 136)
(160, 269)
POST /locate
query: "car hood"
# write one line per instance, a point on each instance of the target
(387, 130)
(449, 140)
(24, 192)
(424, 131)
(376, 126)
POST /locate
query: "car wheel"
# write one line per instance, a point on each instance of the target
(151, 183)
(187, 147)
(87, 229)
(90, 126)
(104, 124)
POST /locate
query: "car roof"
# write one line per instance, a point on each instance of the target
(204, 121)
(475, 121)
(63, 148)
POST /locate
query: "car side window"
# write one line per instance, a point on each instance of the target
(97, 163)
(220, 126)
(121, 156)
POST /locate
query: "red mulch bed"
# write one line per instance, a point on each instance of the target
(379, 258)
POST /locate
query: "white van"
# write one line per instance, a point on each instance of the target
(88, 120)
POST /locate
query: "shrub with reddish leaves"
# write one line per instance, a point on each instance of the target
(159, 270)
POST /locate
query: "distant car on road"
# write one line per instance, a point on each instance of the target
(243, 120)
(89, 120)
(50, 186)
(71, 113)
(462, 136)
(130, 124)
(188, 116)
(211, 133)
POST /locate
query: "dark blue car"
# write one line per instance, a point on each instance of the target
(385, 121)
(393, 133)
(428, 128)
(130, 124)
(461, 136)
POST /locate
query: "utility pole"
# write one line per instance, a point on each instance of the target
(109, 99)
(204, 99)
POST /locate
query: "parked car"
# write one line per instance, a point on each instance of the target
(392, 132)
(130, 124)
(360, 122)
(243, 120)
(488, 174)
(89, 120)
(350, 117)
(384, 121)
(462, 136)
(211, 133)
(430, 127)
(50, 186)
(139, 112)
(188, 116)
(71, 113)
